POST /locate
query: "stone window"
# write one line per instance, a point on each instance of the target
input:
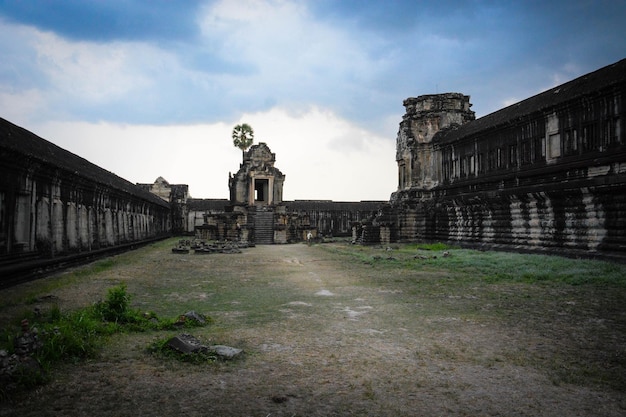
(446, 169)
(554, 146)
(491, 160)
(526, 152)
(512, 155)
(589, 138)
(401, 174)
(570, 142)
(22, 219)
(611, 132)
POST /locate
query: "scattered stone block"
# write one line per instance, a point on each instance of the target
(226, 352)
(186, 343)
(192, 315)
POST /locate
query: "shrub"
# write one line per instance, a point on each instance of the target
(115, 307)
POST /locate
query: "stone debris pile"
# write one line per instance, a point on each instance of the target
(21, 361)
(203, 247)
(188, 344)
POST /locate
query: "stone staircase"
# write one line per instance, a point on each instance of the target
(264, 228)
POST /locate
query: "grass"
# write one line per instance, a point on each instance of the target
(456, 309)
(491, 267)
(78, 335)
(577, 307)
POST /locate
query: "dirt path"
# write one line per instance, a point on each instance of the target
(329, 341)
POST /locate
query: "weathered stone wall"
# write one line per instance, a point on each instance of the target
(548, 173)
(53, 202)
(216, 219)
(329, 218)
(176, 195)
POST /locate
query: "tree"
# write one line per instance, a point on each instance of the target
(243, 136)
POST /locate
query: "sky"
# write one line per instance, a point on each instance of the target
(149, 88)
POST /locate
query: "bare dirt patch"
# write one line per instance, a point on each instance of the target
(327, 335)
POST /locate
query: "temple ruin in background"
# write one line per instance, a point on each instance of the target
(256, 212)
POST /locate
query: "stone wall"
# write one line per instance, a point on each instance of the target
(548, 173)
(53, 202)
(330, 218)
(217, 219)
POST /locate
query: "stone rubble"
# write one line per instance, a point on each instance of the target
(188, 344)
(25, 345)
(202, 247)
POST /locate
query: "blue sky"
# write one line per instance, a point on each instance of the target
(153, 88)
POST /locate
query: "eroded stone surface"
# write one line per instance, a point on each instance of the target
(186, 343)
(226, 352)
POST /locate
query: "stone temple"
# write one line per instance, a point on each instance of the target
(256, 212)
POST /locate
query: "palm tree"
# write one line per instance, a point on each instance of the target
(243, 136)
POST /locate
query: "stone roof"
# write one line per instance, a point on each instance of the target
(23, 142)
(600, 79)
(333, 205)
(204, 204)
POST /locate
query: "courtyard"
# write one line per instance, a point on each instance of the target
(341, 330)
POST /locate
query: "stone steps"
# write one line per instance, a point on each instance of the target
(264, 228)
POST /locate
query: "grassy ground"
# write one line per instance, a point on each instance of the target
(337, 329)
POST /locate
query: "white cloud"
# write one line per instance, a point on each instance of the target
(93, 72)
(289, 53)
(16, 107)
(322, 156)
(326, 157)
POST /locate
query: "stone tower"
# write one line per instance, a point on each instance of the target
(417, 153)
(258, 182)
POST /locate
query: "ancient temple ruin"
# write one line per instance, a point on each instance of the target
(256, 212)
(547, 173)
(257, 183)
(256, 196)
(419, 163)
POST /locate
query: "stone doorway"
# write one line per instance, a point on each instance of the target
(261, 191)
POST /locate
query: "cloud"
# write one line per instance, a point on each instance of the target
(322, 155)
(293, 58)
(94, 73)
(322, 82)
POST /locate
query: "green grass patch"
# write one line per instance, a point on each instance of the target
(489, 267)
(78, 335)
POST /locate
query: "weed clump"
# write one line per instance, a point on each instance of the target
(51, 337)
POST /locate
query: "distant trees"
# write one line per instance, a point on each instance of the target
(243, 136)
